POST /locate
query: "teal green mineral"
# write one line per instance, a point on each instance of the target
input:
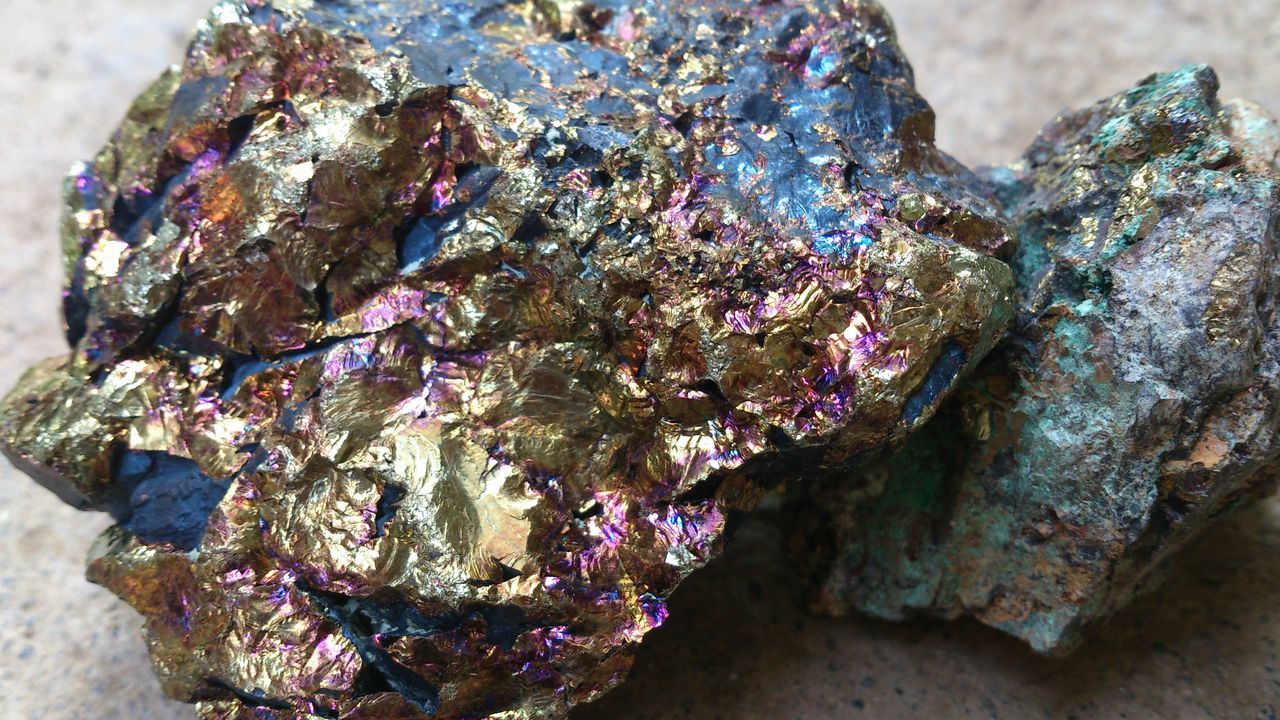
(1134, 403)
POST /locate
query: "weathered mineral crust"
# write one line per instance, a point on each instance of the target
(421, 348)
(1136, 400)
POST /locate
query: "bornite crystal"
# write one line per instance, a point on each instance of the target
(1136, 401)
(421, 348)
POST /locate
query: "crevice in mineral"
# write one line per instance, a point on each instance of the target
(144, 209)
(76, 308)
(419, 236)
(162, 498)
(324, 296)
(702, 491)
(238, 131)
(712, 389)
(241, 367)
(530, 229)
(417, 241)
(941, 375)
(388, 506)
(248, 699)
(362, 621)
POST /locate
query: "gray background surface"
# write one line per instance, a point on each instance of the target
(739, 645)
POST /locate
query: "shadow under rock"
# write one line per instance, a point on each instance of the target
(740, 646)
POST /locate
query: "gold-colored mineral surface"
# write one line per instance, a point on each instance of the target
(421, 348)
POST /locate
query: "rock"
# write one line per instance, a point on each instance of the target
(420, 349)
(1134, 403)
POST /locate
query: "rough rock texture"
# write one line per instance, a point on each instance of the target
(1136, 400)
(421, 349)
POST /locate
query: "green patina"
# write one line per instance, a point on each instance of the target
(1159, 111)
(928, 463)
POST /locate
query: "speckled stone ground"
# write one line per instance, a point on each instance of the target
(739, 645)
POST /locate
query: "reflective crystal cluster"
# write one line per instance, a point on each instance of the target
(1136, 399)
(421, 348)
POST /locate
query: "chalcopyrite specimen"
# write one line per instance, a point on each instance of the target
(1136, 400)
(421, 348)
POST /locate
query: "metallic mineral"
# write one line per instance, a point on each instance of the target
(421, 348)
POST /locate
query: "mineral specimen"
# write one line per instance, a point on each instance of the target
(1137, 399)
(420, 348)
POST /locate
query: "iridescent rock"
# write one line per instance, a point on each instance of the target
(421, 348)
(1136, 401)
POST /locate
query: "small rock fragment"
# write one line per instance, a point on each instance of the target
(1135, 402)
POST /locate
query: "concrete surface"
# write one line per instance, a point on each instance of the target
(739, 646)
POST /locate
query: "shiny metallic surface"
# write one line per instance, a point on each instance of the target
(421, 349)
